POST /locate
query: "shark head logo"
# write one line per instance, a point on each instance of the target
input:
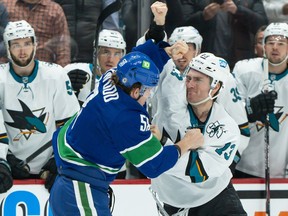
(26, 120)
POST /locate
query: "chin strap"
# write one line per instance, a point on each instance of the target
(205, 100)
(275, 65)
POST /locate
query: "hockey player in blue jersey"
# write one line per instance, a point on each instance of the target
(113, 126)
(111, 48)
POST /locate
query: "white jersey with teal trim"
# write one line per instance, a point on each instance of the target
(3, 145)
(32, 106)
(248, 74)
(88, 68)
(199, 176)
(234, 105)
(170, 99)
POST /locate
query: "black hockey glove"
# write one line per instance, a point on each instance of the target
(78, 79)
(18, 171)
(155, 32)
(49, 173)
(259, 106)
(6, 180)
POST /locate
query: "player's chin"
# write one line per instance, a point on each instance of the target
(22, 62)
(108, 67)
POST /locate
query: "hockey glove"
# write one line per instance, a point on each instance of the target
(78, 79)
(49, 173)
(6, 180)
(18, 171)
(258, 107)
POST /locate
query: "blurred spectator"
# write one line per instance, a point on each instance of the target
(276, 10)
(3, 22)
(50, 24)
(258, 46)
(112, 21)
(82, 18)
(173, 19)
(130, 20)
(228, 27)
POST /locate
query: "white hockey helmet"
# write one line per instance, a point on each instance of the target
(111, 38)
(188, 34)
(18, 30)
(276, 29)
(215, 67)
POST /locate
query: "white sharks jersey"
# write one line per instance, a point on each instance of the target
(201, 175)
(248, 74)
(88, 68)
(32, 106)
(170, 99)
(3, 141)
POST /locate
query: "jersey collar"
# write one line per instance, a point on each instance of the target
(277, 77)
(25, 79)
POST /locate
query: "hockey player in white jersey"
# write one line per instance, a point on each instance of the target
(111, 48)
(6, 180)
(170, 96)
(252, 79)
(199, 184)
(35, 97)
(171, 90)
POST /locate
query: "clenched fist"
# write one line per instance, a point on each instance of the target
(177, 50)
(159, 10)
(192, 140)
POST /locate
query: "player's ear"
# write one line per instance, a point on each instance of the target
(216, 89)
(135, 92)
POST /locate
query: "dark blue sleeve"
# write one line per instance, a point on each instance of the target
(163, 162)
(155, 51)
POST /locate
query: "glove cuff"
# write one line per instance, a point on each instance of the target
(248, 107)
(6, 164)
(249, 110)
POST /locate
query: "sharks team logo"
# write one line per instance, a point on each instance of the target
(275, 119)
(215, 128)
(27, 122)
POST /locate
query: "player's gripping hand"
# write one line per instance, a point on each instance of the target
(177, 50)
(192, 140)
(78, 79)
(259, 106)
(18, 171)
(6, 180)
(49, 173)
(155, 131)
